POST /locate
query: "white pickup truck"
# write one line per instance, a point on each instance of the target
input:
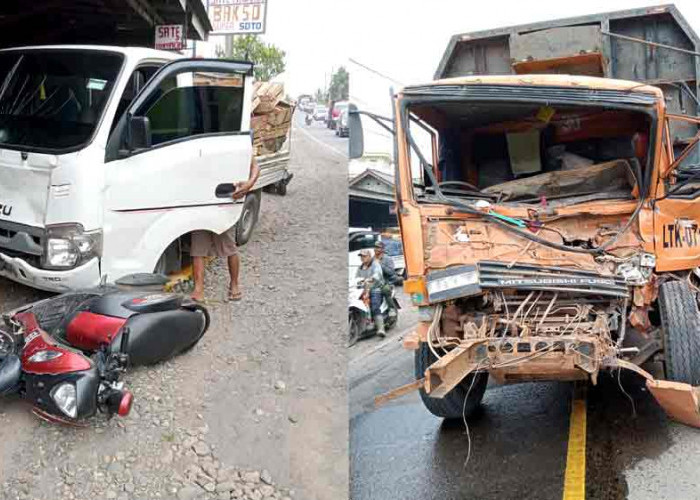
(110, 157)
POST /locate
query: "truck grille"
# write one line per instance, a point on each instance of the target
(556, 279)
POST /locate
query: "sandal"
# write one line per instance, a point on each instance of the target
(235, 297)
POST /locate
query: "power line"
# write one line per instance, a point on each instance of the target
(378, 73)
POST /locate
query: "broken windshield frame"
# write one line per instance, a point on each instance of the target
(53, 100)
(427, 95)
(455, 93)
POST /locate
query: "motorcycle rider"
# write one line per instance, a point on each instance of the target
(388, 273)
(371, 273)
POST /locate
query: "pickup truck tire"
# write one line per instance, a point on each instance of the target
(249, 217)
(680, 322)
(452, 406)
(170, 261)
(281, 187)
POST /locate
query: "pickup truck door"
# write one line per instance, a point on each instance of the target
(677, 211)
(183, 138)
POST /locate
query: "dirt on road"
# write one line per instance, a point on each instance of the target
(258, 410)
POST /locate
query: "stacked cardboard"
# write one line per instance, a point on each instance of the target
(272, 117)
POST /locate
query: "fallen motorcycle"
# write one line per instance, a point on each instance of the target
(66, 354)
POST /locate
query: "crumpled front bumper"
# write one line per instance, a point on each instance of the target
(85, 276)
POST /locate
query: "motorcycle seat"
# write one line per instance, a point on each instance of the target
(10, 372)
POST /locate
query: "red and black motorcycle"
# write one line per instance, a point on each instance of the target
(65, 354)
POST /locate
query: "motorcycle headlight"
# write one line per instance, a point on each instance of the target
(68, 245)
(42, 356)
(65, 397)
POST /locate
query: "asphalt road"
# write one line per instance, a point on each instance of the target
(518, 441)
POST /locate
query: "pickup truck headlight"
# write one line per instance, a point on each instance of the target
(68, 246)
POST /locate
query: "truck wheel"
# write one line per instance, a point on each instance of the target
(452, 406)
(680, 322)
(249, 217)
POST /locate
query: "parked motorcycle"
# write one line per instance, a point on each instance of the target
(360, 322)
(66, 354)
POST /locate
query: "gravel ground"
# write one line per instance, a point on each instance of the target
(257, 410)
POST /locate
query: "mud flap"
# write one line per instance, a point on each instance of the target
(679, 400)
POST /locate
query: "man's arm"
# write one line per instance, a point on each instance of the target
(254, 172)
(242, 188)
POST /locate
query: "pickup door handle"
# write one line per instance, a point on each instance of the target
(225, 190)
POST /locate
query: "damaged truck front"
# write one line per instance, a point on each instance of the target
(550, 232)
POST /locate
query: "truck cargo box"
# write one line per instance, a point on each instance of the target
(652, 45)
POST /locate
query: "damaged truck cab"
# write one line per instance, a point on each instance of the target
(550, 232)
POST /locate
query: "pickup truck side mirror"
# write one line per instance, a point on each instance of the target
(138, 133)
(356, 142)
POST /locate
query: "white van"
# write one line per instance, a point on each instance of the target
(110, 157)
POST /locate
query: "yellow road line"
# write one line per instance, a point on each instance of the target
(575, 476)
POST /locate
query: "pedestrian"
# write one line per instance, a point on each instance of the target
(208, 244)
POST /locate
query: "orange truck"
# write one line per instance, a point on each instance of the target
(553, 231)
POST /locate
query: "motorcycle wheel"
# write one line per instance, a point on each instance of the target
(354, 322)
(7, 343)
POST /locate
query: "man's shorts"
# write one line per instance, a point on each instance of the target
(208, 244)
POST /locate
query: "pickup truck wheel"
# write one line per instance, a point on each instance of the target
(680, 322)
(452, 406)
(249, 217)
(281, 188)
(170, 261)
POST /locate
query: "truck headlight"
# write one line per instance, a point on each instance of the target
(452, 283)
(68, 246)
(65, 397)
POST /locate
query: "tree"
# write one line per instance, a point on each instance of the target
(268, 58)
(321, 96)
(339, 89)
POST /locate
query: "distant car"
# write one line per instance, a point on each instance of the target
(343, 128)
(320, 113)
(394, 249)
(306, 105)
(334, 114)
(358, 239)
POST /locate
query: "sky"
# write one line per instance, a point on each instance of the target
(403, 39)
(313, 33)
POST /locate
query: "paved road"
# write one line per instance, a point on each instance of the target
(518, 441)
(322, 136)
(265, 389)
